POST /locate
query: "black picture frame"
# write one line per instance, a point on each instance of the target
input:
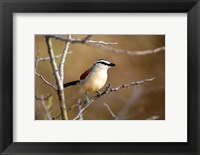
(8, 7)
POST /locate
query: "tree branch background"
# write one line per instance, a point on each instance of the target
(139, 102)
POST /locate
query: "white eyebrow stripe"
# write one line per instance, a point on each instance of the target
(104, 61)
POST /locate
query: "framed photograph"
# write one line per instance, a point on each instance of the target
(117, 77)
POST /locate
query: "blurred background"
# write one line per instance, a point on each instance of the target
(139, 102)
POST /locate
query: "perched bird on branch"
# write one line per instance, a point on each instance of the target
(93, 79)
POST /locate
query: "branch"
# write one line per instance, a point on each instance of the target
(108, 90)
(57, 77)
(128, 52)
(45, 107)
(110, 111)
(62, 62)
(42, 100)
(80, 109)
(102, 45)
(84, 40)
(45, 81)
(101, 42)
(48, 58)
(37, 60)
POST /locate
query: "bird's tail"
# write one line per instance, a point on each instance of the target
(70, 83)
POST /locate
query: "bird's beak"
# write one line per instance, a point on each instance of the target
(112, 64)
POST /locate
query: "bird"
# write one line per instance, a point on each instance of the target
(93, 79)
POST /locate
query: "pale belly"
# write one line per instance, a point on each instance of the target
(94, 82)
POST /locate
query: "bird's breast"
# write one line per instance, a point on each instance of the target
(94, 81)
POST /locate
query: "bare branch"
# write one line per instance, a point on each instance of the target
(72, 40)
(45, 81)
(81, 111)
(80, 108)
(57, 77)
(108, 90)
(37, 60)
(110, 111)
(72, 107)
(101, 42)
(40, 98)
(128, 52)
(62, 62)
(102, 45)
(52, 61)
(48, 58)
(86, 38)
(45, 108)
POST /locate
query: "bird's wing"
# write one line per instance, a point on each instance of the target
(85, 74)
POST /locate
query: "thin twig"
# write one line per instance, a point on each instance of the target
(45, 108)
(40, 98)
(128, 52)
(72, 107)
(45, 81)
(101, 42)
(110, 111)
(81, 111)
(48, 58)
(37, 60)
(86, 38)
(72, 40)
(80, 108)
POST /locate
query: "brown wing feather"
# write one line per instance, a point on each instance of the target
(85, 74)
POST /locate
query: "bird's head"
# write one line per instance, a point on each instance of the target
(104, 64)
